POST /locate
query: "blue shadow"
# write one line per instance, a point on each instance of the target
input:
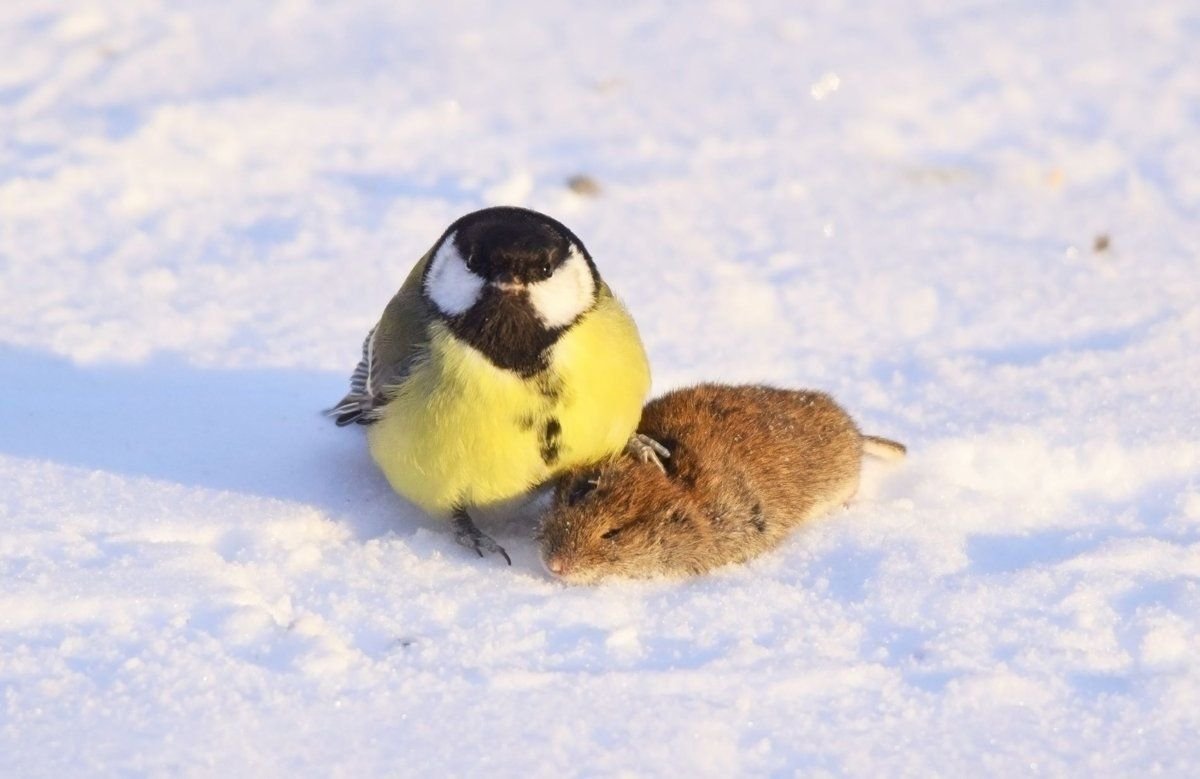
(257, 431)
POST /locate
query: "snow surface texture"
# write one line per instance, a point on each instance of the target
(204, 206)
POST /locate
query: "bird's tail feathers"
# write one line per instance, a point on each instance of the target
(352, 408)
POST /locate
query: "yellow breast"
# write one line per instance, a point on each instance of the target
(462, 432)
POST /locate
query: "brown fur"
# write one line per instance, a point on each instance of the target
(747, 465)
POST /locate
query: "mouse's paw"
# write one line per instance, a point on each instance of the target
(472, 537)
(647, 450)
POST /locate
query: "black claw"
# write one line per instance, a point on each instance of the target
(472, 537)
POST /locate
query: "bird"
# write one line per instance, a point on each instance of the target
(503, 360)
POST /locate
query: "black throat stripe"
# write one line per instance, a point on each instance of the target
(551, 441)
(505, 328)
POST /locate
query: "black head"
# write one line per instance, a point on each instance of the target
(508, 246)
(509, 281)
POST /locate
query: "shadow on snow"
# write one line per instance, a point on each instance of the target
(257, 431)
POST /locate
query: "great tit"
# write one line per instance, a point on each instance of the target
(503, 360)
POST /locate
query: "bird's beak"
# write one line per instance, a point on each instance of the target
(509, 287)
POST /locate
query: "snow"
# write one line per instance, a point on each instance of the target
(204, 206)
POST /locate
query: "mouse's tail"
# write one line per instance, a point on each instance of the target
(883, 448)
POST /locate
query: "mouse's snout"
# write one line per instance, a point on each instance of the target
(558, 564)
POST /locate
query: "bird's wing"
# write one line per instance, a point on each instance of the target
(389, 352)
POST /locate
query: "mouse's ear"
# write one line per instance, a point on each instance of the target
(561, 485)
(576, 486)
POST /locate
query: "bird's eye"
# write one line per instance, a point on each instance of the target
(545, 268)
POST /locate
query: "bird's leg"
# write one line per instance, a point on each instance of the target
(646, 449)
(472, 537)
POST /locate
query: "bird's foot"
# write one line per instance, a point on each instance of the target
(472, 537)
(647, 450)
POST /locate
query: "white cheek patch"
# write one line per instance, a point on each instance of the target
(560, 299)
(450, 284)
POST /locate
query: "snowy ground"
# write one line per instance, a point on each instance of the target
(203, 206)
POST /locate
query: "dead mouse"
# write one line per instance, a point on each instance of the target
(747, 464)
